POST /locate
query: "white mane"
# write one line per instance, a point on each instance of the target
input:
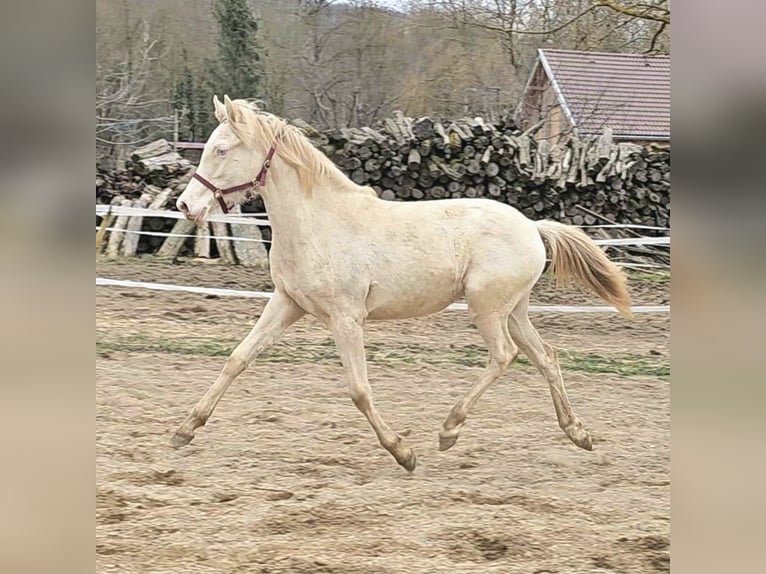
(292, 145)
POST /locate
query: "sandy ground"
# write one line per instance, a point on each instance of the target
(288, 477)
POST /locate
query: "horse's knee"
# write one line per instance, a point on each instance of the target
(505, 356)
(346, 328)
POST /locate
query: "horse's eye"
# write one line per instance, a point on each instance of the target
(221, 151)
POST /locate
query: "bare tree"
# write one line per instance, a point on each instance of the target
(129, 110)
(346, 63)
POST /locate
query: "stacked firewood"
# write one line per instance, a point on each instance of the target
(153, 169)
(406, 159)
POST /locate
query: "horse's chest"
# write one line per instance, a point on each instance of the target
(310, 287)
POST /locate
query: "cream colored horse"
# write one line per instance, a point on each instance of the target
(345, 256)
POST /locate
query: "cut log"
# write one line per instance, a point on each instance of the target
(251, 252)
(106, 222)
(393, 129)
(485, 157)
(445, 141)
(425, 181)
(166, 164)
(223, 242)
(133, 228)
(172, 245)
(117, 236)
(364, 152)
(454, 187)
(161, 199)
(359, 177)
(604, 146)
(153, 149)
(413, 160)
(524, 156)
(352, 163)
(404, 124)
(202, 241)
(438, 192)
(423, 128)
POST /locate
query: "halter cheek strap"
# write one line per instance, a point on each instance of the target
(258, 182)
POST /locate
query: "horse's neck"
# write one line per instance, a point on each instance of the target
(296, 215)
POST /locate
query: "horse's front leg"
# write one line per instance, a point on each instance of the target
(349, 337)
(280, 312)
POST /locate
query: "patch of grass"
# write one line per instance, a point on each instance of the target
(625, 364)
(656, 276)
(186, 346)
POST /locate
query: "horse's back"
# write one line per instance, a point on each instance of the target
(473, 236)
(473, 220)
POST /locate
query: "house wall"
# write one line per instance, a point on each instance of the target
(540, 101)
(556, 125)
(531, 103)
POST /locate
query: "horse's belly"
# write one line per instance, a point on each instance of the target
(405, 299)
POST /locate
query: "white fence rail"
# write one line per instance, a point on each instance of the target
(267, 295)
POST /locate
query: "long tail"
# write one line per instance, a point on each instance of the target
(574, 255)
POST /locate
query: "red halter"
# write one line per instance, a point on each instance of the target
(259, 181)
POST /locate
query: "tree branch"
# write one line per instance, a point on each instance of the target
(656, 13)
(655, 37)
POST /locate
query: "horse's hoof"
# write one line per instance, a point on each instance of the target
(579, 436)
(180, 439)
(410, 461)
(447, 439)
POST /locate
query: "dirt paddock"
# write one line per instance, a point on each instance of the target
(288, 477)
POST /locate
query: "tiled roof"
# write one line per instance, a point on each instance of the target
(628, 92)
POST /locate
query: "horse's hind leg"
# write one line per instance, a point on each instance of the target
(493, 327)
(280, 312)
(543, 356)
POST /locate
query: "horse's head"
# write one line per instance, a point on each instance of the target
(229, 165)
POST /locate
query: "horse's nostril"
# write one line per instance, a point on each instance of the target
(182, 206)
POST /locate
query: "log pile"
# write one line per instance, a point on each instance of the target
(406, 159)
(153, 169)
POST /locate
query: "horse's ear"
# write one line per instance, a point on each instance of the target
(232, 112)
(220, 109)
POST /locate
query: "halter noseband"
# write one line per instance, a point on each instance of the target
(258, 182)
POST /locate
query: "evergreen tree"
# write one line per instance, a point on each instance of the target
(188, 98)
(236, 70)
